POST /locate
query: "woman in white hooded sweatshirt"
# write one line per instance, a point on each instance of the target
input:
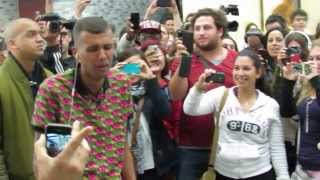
(251, 135)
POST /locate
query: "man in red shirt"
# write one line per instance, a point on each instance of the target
(195, 133)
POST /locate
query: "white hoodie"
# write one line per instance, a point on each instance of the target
(248, 141)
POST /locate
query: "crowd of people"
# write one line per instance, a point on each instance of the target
(156, 119)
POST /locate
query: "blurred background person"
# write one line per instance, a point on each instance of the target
(307, 107)
(229, 43)
(3, 50)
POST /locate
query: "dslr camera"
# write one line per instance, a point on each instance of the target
(230, 9)
(233, 10)
(55, 22)
(293, 50)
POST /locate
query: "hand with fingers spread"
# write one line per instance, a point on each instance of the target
(69, 164)
(201, 84)
(80, 6)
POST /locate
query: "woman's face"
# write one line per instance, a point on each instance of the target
(315, 54)
(294, 43)
(228, 44)
(155, 58)
(275, 42)
(244, 72)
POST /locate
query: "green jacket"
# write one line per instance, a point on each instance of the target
(16, 108)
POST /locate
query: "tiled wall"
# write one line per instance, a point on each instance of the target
(8, 11)
(114, 11)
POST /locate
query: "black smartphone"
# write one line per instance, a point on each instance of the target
(135, 20)
(217, 77)
(57, 136)
(187, 39)
(164, 3)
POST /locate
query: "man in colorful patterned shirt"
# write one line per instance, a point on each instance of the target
(96, 97)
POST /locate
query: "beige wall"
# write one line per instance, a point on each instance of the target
(313, 10)
(250, 11)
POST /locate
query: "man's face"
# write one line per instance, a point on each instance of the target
(170, 26)
(29, 42)
(206, 35)
(65, 36)
(273, 25)
(299, 23)
(95, 52)
(254, 41)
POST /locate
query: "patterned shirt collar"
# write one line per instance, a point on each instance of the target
(82, 89)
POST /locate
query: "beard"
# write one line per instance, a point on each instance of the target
(211, 45)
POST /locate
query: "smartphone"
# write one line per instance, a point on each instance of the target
(164, 3)
(57, 136)
(135, 20)
(302, 68)
(217, 77)
(187, 39)
(131, 68)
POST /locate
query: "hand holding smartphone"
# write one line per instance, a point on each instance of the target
(217, 77)
(57, 136)
(187, 39)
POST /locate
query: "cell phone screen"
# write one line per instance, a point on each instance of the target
(57, 136)
(131, 68)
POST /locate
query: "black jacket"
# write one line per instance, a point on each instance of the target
(156, 107)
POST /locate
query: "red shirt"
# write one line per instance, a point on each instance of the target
(197, 131)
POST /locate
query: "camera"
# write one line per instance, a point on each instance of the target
(233, 10)
(233, 26)
(56, 22)
(293, 50)
(230, 9)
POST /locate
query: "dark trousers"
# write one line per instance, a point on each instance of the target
(291, 156)
(192, 163)
(149, 175)
(266, 176)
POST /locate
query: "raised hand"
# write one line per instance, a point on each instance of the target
(201, 84)
(80, 6)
